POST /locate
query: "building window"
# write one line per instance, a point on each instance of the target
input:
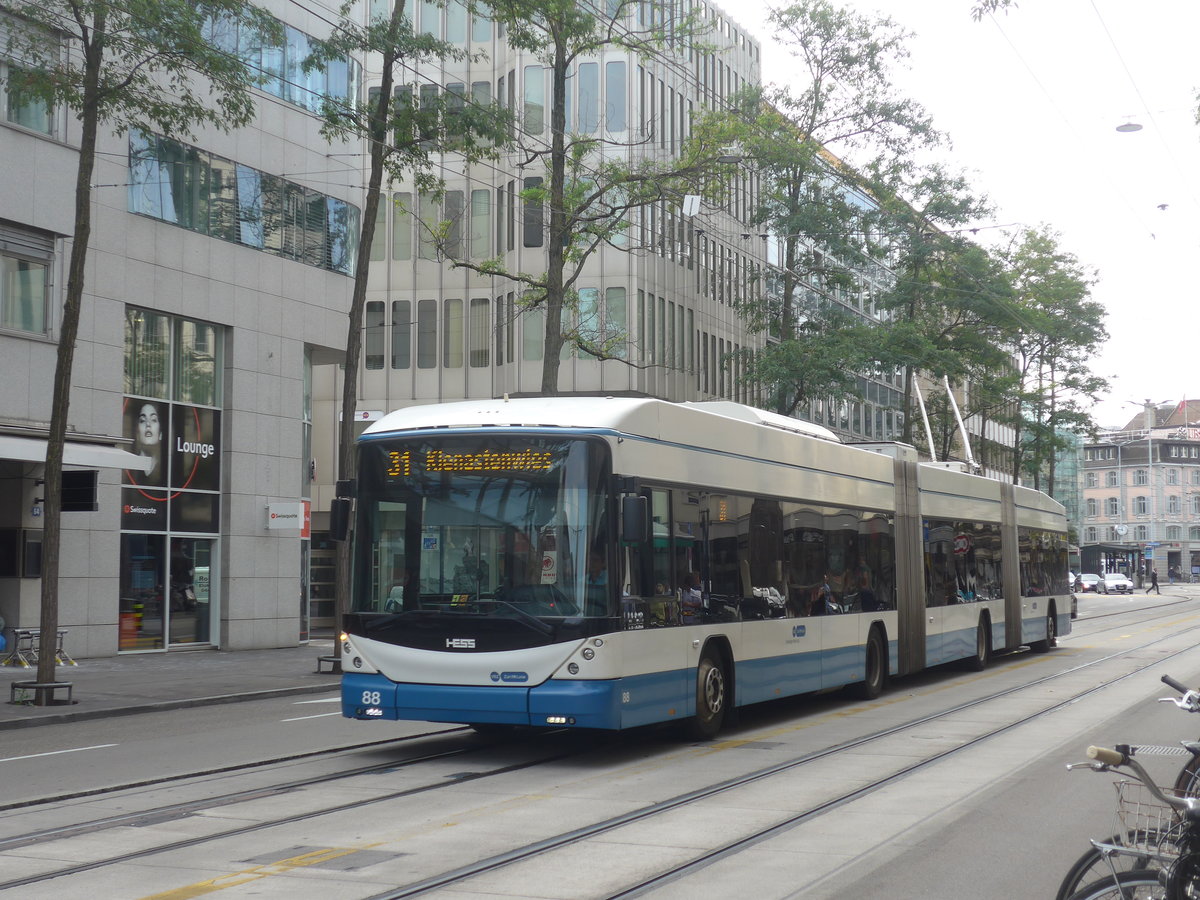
(1092, 506)
(20, 107)
(615, 91)
(533, 235)
(1172, 476)
(534, 119)
(589, 97)
(1174, 533)
(197, 190)
(1140, 477)
(373, 338)
(401, 334)
(1141, 533)
(1111, 507)
(1141, 506)
(426, 334)
(1091, 479)
(1194, 533)
(452, 334)
(25, 267)
(1173, 505)
(481, 332)
(1110, 479)
(1089, 534)
(481, 217)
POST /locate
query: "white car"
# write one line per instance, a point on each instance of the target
(1115, 582)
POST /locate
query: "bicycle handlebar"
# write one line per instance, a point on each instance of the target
(1107, 757)
(1122, 757)
(1172, 683)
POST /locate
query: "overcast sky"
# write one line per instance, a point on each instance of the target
(1031, 100)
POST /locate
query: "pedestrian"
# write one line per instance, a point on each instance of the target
(1153, 582)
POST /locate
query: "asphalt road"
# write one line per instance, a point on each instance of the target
(1001, 818)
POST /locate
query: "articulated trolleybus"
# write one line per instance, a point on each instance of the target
(614, 562)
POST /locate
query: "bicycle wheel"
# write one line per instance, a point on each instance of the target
(1140, 884)
(1188, 782)
(1092, 866)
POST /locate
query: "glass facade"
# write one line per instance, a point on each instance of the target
(170, 509)
(203, 192)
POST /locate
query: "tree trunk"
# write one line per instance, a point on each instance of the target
(557, 233)
(347, 461)
(60, 406)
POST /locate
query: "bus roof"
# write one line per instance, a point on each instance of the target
(631, 415)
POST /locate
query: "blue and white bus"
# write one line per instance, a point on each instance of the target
(615, 562)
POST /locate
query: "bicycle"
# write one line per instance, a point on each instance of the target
(1162, 839)
(1097, 861)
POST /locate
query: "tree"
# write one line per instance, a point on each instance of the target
(151, 65)
(1060, 328)
(405, 132)
(592, 183)
(948, 301)
(811, 151)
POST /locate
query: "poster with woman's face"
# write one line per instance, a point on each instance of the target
(146, 424)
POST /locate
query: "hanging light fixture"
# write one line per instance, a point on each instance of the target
(1129, 126)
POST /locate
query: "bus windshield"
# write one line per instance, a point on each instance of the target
(483, 524)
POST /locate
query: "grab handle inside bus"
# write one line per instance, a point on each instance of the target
(633, 519)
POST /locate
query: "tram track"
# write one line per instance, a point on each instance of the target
(233, 769)
(743, 842)
(167, 812)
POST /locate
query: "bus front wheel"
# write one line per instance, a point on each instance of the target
(712, 697)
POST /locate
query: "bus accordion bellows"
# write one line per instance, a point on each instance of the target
(608, 563)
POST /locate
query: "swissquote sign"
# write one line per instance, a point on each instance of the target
(290, 515)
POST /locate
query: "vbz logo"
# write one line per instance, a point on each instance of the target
(798, 631)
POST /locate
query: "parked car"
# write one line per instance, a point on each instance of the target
(1115, 582)
(1089, 583)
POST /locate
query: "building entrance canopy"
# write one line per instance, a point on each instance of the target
(75, 453)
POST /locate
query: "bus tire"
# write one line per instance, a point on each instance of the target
(1051, 639)
(874, 668)
(712, 697)
(983, 647)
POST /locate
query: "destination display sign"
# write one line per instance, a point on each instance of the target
(403, 464)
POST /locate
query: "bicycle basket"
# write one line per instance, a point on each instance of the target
(1146, 823)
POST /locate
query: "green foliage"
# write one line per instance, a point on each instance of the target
(819, 153)
(409, 121)
(152, 65)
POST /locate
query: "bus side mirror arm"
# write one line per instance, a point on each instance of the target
(633, 519)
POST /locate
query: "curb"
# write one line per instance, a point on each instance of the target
(85, 714)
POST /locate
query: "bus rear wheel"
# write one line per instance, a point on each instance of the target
(983, 649)
(1051, 639)
(712, 697)
(875, 670)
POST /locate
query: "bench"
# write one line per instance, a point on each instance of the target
(43, 693)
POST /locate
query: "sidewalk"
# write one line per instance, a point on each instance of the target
(120, 685)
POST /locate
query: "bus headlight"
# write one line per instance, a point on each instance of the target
(573, 668)
(588, 653)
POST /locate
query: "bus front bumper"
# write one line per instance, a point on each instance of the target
(579, 704)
